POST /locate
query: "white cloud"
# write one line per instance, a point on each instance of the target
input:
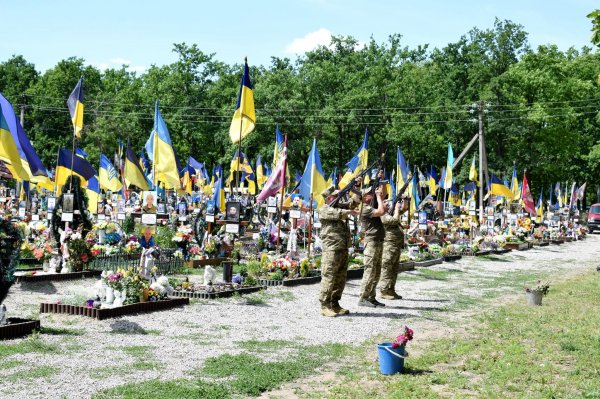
(309, 42)
(118, 62)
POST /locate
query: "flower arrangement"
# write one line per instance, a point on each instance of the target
(210, 246)
(115, 280)
(195, 251)
(26, 250)
(153, 296)
(286, 265)
(97, 250)
(79, 253)
(100, 225)
(132, 247)
(402, 339)
(42, 249)
(183, 234)
(539, 287)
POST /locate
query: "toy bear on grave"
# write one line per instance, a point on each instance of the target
(10, 245)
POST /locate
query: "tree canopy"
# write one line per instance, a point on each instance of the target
(541, 105)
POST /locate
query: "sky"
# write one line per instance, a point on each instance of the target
(138, 33)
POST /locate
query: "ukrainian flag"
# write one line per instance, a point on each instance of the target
(313, 180)
(75, 104)
(432, 181)
(514, 186)
(260, 173)
(9, 141)
(93, 194)
(414, 196)
(239, 164)
(244, 117)
(473, 172)
(401, 169)
(498, 188)
(186, 180)
(219, 195)
(161, 152)
(133, 172)
(332, 179)
(358, 163)
(559, 196)
(540, 209)
(81, 168)
(107, 177)
(447, 183)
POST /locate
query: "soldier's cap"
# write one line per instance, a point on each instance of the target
(329, 191)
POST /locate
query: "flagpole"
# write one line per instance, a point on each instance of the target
(55, 169)
(281, 199)
(73, 157)
(310, 218)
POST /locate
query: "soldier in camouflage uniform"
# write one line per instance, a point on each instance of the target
(392, 246)
(374, 234)
(336, 239)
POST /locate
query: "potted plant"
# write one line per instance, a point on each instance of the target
(392, 354)
(535, 293)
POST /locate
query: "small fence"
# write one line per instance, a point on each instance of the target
(167, 262)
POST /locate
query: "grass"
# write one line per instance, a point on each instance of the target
(437, 274)
(550, 351)
(62, 331)
(32, 344)
(34, 373)
(234, 375)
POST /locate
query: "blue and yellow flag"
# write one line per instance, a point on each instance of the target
(75, 104)
(277, 154)
(498, 188)
(514, 186)
(244, 117)
(144, 163)
(261, 177)
(133, 171)
(432, 181)
(447, 183)
(239, 164)
(80, 153)
(313, 179)
(473, 172)
(81, 168)
(559, 196)
(108, 178)
(93, 193)
(358, 163)
(333, 179)
(415, 200)
(161, 152)
(219, 194)
(401, 168)
(9, 142)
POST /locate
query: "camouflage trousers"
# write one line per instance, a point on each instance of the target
(334, 268)
(389, 266)
(372, 261)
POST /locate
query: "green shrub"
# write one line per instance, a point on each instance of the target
(253, 268)
(164, 237)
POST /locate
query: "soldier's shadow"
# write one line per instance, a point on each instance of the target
(386, 315)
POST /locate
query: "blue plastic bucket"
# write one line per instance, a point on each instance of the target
(391, 360)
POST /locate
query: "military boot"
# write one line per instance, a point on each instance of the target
(335, 305)
(327, 311)
(390, 294)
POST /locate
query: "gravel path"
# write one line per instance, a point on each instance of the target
(179, 340)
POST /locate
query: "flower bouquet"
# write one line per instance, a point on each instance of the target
(536, 292)
(392, 354)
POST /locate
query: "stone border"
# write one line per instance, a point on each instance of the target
(427, 263)
(101, 314)
(355, 273)
(18, 328)
(216, 294)
(290, 282)
(57, 276)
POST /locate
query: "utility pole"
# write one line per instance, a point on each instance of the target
(18, 184)
(481, 155)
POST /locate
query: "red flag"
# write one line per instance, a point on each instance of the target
(276, 181)
(526, 197)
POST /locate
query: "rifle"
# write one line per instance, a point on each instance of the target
(350, 186)
(399, 194)
(377, 178)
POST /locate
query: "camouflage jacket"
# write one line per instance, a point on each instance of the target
(393, 229)
(335, 233)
